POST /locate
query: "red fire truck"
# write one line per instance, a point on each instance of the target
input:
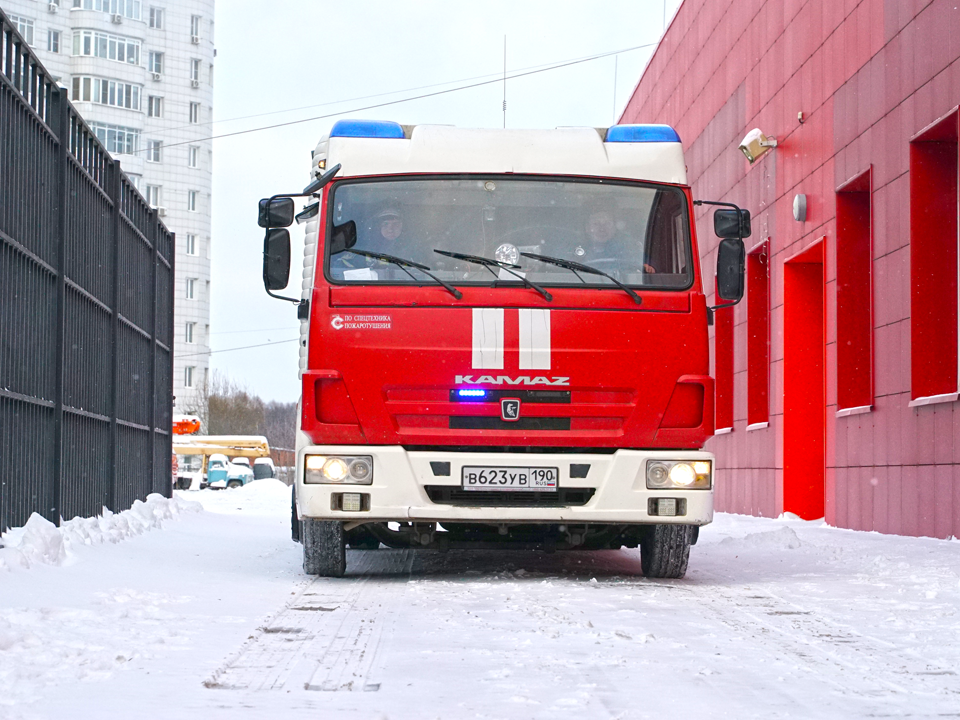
(503, 341)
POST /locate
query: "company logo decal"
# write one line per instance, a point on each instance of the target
(361, 322)
(507, 380)
(510, 409)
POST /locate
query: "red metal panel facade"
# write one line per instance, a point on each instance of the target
(869, 77)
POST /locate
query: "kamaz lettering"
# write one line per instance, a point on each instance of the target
(507, 380)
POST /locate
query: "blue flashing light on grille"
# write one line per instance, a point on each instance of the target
(467, 393)
(367, 129)
(642, 133)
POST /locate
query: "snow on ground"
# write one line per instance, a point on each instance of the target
(211, 617)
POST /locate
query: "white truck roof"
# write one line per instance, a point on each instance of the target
(636, 152)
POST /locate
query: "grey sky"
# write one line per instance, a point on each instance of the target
(324, 54)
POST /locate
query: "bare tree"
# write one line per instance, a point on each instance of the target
(226, 407)
(280, 422)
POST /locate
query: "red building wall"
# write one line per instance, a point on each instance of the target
(869, 76)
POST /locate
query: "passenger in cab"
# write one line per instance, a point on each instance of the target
(604, 247)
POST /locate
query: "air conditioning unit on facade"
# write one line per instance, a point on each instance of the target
(117, 19)
(195, 83)
(161, 211)
(195, 39)
(156, 75)
(53, 7)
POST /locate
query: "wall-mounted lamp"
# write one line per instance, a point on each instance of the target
(800, 207)
(755, 144)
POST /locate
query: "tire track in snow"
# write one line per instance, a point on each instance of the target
(328, 636)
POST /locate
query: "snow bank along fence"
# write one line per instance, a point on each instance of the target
(86, 311)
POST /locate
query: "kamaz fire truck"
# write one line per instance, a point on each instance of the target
(503, 341)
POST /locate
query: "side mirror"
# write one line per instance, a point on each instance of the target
(343, 237)
(731, 224)
(276, 259)
(730, 261)
(276, 214)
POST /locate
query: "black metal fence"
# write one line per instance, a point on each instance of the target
(86, 311)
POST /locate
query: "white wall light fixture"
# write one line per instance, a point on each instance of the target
(756, 144)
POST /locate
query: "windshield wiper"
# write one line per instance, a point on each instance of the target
(488, 264)
(575, 267)
(404, 264)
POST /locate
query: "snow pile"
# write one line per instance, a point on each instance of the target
(50, 645)
(39, 541)
(784, 538)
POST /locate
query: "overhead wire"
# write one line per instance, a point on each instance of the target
(244, 347)
(409, 99)
(548, 66)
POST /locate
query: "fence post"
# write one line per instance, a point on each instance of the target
(59, 119)
(112, 188)
(154, 288)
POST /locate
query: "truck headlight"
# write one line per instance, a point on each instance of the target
(338, 469)
(682, 474)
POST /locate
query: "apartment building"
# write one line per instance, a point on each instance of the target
(141, 74)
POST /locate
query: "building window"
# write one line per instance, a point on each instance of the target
(188, 332)
(53, 41)
(136, 180)
(194, 112)
(156, 18)
(195, 28)
(758, 334)
(125, 8)
(193, 156)
(854, 295)
(191, 288)
(102, 45)
(195, 70)
(155, 62)
(188, 376)
(723, 367)
(934, 230)
(106, 92)
(153, 195)
(192, 200)
(24, 27)
(153, 150)
(117, 139)
(155, 106)
(191, 245)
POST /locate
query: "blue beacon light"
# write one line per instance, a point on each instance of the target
(468, 393)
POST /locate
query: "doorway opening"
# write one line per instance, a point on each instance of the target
(804, 383)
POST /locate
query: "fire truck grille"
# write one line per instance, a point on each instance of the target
(453, 495)
(472, 422)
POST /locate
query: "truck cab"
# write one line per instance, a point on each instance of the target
(503, 342)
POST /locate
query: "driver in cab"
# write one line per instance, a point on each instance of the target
(384, 235)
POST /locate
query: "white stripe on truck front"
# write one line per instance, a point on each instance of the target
(488, 338)
(534, 339)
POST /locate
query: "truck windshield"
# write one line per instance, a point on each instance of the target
(637, 233)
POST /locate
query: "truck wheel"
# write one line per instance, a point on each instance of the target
(324, 547)
(294, 518)
(235, 483)
(665, 550)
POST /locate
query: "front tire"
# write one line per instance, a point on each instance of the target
(235, 483)
(324, 547)
(665, 550)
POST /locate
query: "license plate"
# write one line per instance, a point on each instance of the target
(485, 477)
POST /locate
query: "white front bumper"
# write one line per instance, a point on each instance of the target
(398, 492)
